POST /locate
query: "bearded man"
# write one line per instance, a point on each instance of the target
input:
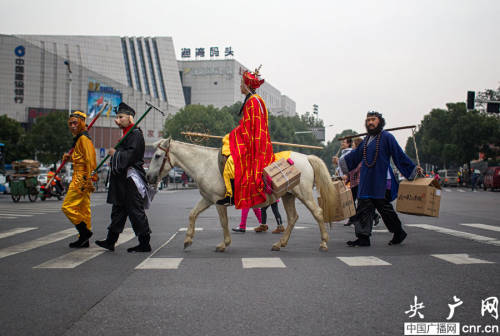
(249, 147)
(378, 186)
(76, 204)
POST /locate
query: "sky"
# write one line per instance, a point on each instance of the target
(401, 58)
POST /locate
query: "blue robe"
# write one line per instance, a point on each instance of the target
(373, 181)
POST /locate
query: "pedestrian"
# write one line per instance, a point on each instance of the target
(263, 225)
(377, 186)
(474, 178)
(184, 179)
(128, 191)
(345, 147)
(243, 222)
(76, 204)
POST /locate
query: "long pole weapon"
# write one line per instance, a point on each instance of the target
(73, 148)
(204, 135)
(151, 106)
(389, 129)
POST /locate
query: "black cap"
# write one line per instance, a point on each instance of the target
(125, 109)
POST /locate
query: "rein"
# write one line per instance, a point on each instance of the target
(165, 159)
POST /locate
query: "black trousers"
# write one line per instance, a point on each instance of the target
(133, 208)
(274, 207)
(366, 210)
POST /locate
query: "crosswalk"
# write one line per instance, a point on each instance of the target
(76, 258)
(23, 210)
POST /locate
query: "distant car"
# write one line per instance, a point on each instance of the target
(492, 178)
(42, 179)
(175, 175)
(4, 185)
(449, 177)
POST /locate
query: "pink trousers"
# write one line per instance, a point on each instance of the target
(244, 216)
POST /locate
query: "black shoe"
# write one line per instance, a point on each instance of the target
(227, 201)
(83, 238)
(398, 238)
(238, 229)
(361, 241)
(143, 244)
(349, 223)
(376, 219)
(109, 242)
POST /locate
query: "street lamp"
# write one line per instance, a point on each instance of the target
(66, 62)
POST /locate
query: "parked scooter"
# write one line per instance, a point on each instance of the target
(52, 191)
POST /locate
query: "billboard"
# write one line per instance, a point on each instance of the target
(98, 96)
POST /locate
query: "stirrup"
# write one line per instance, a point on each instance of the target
(227, 201)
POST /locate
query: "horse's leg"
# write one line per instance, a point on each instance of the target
(292, 216)
(202, 205)
(317, 213)
(222, 210)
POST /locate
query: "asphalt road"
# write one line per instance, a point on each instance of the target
(298, 291)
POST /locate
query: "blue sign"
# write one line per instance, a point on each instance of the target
(20, 51)
(102, 153)
(98, 96)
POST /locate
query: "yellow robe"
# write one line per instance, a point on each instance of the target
(76, 205)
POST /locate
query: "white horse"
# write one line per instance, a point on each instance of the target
(201, 163)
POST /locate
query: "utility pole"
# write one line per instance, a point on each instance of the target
(66, 62)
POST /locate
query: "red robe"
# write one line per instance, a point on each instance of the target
(252, 151)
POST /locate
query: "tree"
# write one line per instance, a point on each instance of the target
(50, 137)
(455, 136)
(13, 136)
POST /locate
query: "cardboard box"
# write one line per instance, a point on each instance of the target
(283, 176)
(342, 208)
(419, 197)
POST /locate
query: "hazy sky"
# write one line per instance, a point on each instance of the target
(399, 57)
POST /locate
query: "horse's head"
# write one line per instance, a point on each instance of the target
(160, 163)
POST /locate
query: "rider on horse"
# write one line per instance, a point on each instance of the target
(250, 149)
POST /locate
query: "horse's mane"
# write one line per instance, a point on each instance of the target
(194, 145)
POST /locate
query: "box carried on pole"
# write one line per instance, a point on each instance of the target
(421, 196)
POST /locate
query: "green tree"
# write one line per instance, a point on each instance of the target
(13, 136)
(50, 137)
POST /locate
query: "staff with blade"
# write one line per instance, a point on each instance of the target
(128, 190)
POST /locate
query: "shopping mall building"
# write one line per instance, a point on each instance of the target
(42, 73)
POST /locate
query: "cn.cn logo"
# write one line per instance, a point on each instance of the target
(20, 51)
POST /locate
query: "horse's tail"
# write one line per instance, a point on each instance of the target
(325, 187)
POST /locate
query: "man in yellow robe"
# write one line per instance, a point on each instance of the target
(76, 205)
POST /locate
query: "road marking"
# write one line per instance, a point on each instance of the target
(160, 263)
(461, 259)
(460, 234)
(79, 256)
(460, 190)
(262, 263)
(13, 214)
(145, 262)
(364, 261)
(13, 232)
(448, 190)
(30, 245)
(483, 226)
(381, 230)
(195, 229)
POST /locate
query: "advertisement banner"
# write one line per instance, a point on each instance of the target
(98, 96)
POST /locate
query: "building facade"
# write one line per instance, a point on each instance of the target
(217, 83)
(35, 79)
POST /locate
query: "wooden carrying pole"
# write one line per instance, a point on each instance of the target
(204, 135)
(363, 134)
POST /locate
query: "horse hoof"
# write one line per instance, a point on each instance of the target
(275, 248)
(187, 244)
(323, 248)
(220, 249)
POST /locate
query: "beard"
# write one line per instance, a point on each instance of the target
(374, 131)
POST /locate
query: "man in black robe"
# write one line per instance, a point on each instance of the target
(127, 186)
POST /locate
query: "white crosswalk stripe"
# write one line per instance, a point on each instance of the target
(461, 259)
(78, 257)
(483, 226)
(160, 263)
(262, 263)
(30, 245)
(460, 234)
(13, 232)
(364, 261)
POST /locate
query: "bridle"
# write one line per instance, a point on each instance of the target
(165, 158)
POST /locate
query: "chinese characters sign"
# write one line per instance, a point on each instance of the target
(19, 75)
(200, 52)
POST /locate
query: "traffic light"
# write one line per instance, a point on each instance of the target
(471, 96)
(493, 107)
